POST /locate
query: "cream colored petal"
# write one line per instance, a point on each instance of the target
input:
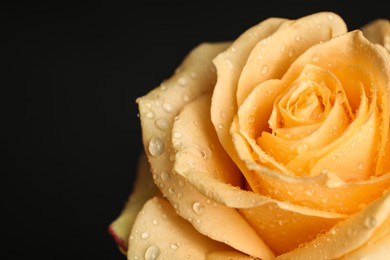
(285, 230)
(357, 63)
(143, 190)
(158, 110)
(159, 233)
(349, 234)
(271, 57)
(229, 65)
(200, 157)
(378, 31)
(328, 191)
(377, 247)
(230, 255)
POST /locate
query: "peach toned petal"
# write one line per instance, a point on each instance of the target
(378, 31)
(199, 156)
(196, 144)
(229, 65)
(271, 57)
(159, 233)
(377, 247)
(349, 234)
(231, 255)
(143, 190)
(358, 63)
(284, 230)
(158, 110)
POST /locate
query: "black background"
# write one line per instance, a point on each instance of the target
(73, 72)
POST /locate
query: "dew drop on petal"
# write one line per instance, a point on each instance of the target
(182, 81)
(359, 166)
(152, 252)
(167, 107)
(370, 222)
(149, 115)
(198, 208)
(174, 246)
(264, 69)
(156, 146)
(162, 123)
(177, 135)
(164, 175)
(145, 235)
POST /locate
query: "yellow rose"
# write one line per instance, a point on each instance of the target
(273, 146)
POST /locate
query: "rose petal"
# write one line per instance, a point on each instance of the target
(375, 248)
(285, 230)
(158, 110)
(159, 231)
(358, 63)
(271, 57)
(223, 106)
(199, 156)
(349, 234)
(378, 31)
(202, 161)
(143, 190)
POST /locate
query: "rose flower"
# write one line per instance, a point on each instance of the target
(275, 145)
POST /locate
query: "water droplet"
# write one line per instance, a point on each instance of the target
(220, 126)
(152, 252)
(325, 171)
(162, 123)
(309, 192)
(229, 63)
(167, 107)
(315, 58)
(264, 69)
(370, 222)
(186, 98)
(297, 38)
(302, 148)
(177, 135)
(181, 183)
(330, 17)
(283, 48)
(198, 208)
(260, 57)
(359, 167)
(171, 190)
(193, 75)
(145, 235)
(182, 81)
(291, 52)
(174, 246)
(179, 195)
(149, 115)
(164, 175)
(156, 146)
(155, 222)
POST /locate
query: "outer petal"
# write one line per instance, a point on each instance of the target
(229, 65)
(144, 189)
(271, 57)
(355, 233)
(159, 232)
(158, 110)
(378, 32)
